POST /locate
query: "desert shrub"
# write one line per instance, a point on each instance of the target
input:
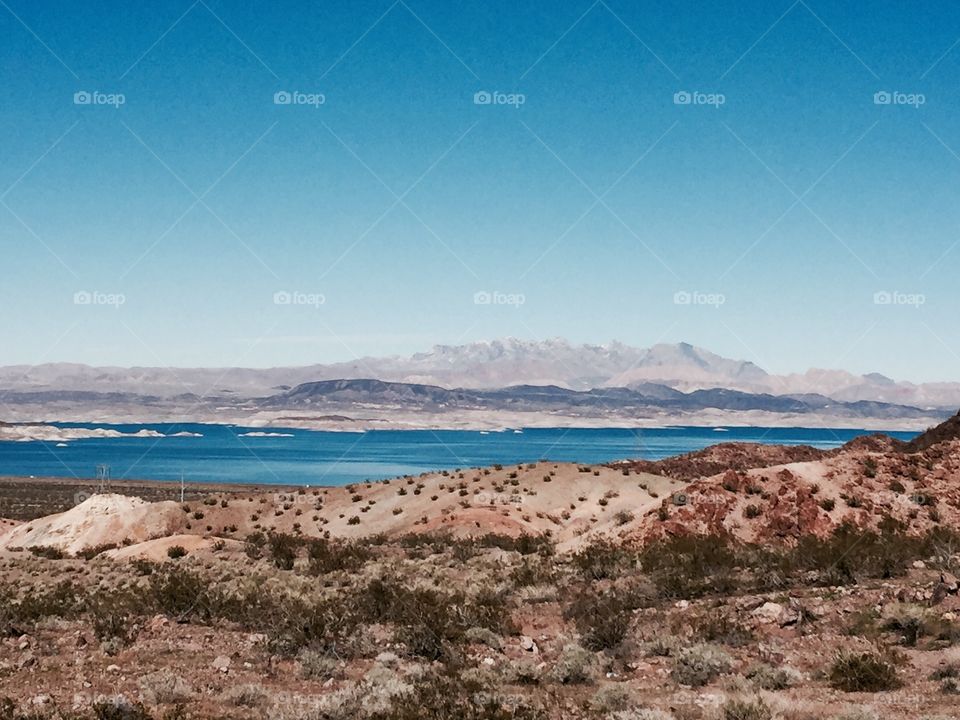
(62, 600)
(603, 619)
(143, 567)
(691, 566)
(697, 665)
(661, 646)
(116, 708)
(164, 687)
(767, 677)
(254, 545)
(482, 636)
(622, 517)
(316, 665)
(48, 552)
(911, 621)
(719, 627)
(532, 571)
(91, 552)
(114, 616)
(863, 672)
(641, 714)
(283, 550)
(576, 665)
(176, 551)
(611, 698)
(746, 709)
(524, 672)
(525, 544)
(182, 594)
(950, 686)
(427, 621)
(328, 556)
(602, 559)
(248, 695)
(883, 553)
(857, 713)
(446, 696)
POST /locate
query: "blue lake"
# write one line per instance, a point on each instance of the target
(305, 457)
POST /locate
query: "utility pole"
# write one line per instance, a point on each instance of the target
(103, 478)
(181, 487)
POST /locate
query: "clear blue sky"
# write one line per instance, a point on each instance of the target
(597, 199)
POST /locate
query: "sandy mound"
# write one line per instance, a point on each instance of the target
(156, 550)
(99, 520)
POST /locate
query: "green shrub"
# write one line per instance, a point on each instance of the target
(603, 619)
(697, 665)
(746, 709)
(602, 559)
(863, 672)
(329, 556)
(283, 550)
(176, 551)
(767, 677)
(576, 665)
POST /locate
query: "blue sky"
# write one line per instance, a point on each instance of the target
(784, 215)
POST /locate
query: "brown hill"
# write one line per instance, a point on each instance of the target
(944, 432)
(724, 456)
(749, 491)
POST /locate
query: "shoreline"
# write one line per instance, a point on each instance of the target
(50, 430)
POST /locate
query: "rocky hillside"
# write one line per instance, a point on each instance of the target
(756, 493)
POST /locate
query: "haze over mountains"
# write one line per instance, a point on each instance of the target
(490, 365)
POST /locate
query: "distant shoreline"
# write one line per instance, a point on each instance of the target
(490, 421)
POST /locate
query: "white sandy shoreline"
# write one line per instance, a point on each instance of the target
(270, 425)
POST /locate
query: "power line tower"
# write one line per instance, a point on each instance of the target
(103, 478)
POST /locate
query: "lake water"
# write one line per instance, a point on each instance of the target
(305, 457)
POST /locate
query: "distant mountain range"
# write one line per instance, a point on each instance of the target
(666, 373)
(333, 395)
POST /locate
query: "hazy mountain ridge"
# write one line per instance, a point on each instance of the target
(661, 369)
